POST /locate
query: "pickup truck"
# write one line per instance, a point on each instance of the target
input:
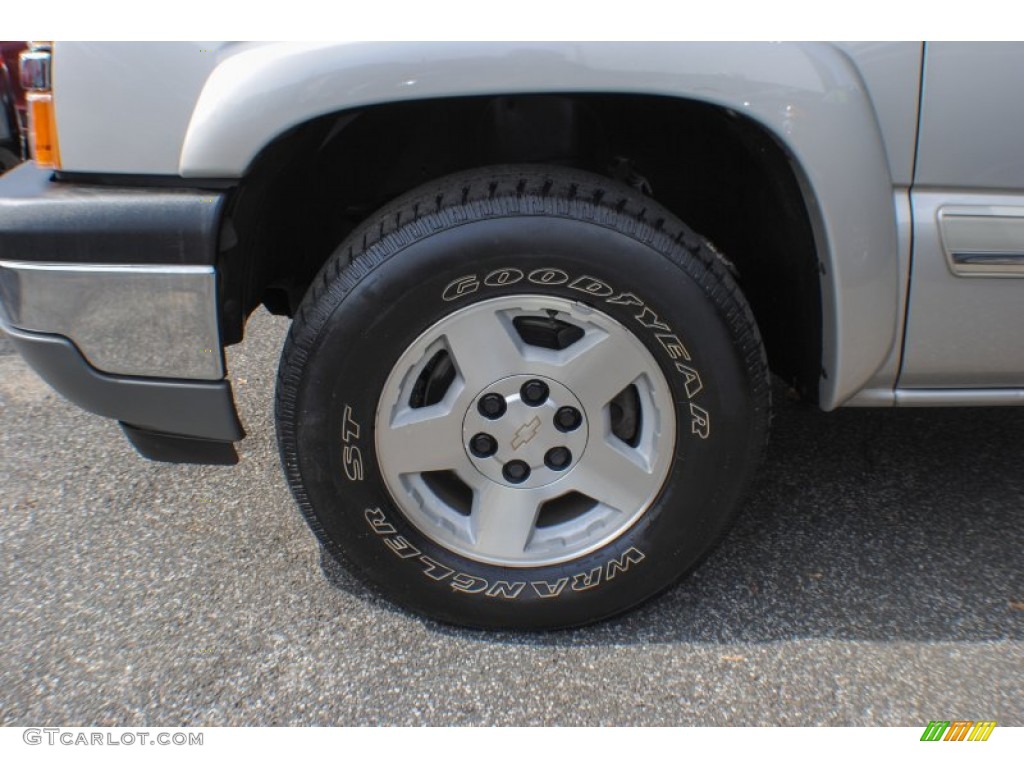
(536, 289)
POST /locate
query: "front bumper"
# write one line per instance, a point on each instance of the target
(110, 294)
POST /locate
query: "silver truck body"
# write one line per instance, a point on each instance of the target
(909, 158)
(846, 114)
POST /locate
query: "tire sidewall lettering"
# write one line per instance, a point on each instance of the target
(351, 454)
(459, 577)
(666, 340)
(548, 276)
(460, 287)
(501, 278)
(436, 570)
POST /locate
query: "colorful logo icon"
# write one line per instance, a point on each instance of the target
(958, 730)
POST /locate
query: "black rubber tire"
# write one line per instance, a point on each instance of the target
(387, 283)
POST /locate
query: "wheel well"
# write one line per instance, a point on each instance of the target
(721, 173)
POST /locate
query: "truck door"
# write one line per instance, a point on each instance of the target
(965, 321)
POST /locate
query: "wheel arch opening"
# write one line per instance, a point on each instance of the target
(724, 175)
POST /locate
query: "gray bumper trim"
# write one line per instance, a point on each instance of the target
(79, 223)
(198, 409)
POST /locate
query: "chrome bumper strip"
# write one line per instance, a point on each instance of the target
(135, 320)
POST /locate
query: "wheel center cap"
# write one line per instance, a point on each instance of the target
(525, 431)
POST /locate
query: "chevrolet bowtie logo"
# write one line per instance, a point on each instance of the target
(525, 433)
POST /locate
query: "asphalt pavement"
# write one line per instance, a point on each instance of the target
(875, 577)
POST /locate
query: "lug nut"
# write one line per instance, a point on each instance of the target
(516, 471)
(534, 392)
(558, 458)
(483, 445)
(491, 406)
(567, 419)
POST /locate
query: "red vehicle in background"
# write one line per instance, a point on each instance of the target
(12, 106)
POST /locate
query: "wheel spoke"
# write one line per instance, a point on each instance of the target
(602, 369)
(485, 349)
(423, 440)
(612, 476)
(503, 519)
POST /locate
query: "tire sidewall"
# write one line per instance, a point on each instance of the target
(412, 279)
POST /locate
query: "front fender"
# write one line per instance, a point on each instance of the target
(811, 97)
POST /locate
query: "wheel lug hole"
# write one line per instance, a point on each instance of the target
(516, 471)
(567, 419)
(534, 392)
(483, 445)
(558, 458)
(492, 406)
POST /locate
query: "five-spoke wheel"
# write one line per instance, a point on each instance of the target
(522, 397)
(525, 430)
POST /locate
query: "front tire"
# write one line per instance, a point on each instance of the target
(522, 398)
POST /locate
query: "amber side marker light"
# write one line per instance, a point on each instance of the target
(35, 67)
